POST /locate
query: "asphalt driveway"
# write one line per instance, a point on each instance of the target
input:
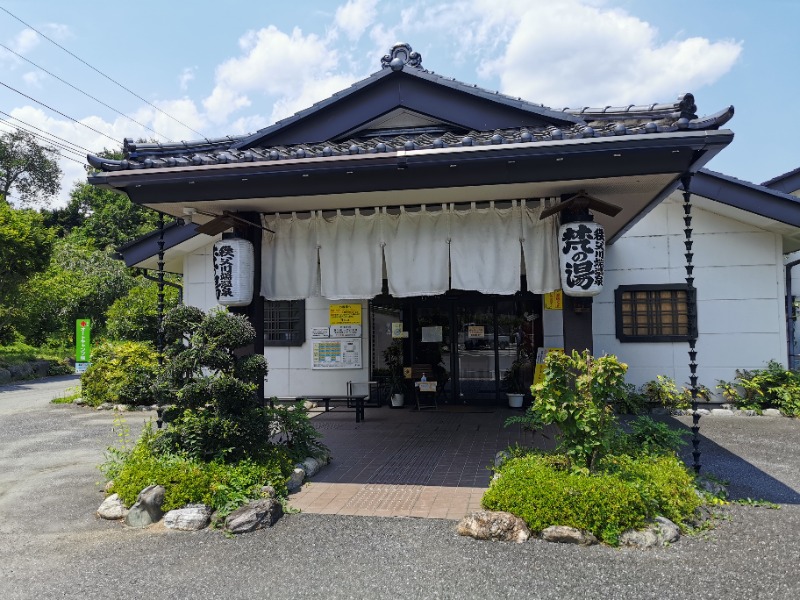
(52, 545)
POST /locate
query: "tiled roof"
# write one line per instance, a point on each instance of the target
(565, 124)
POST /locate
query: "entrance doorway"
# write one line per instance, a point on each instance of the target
(465, 341)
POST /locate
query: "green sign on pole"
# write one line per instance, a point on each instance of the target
(83, 344)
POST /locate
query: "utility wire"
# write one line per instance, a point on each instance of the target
(50, 142)
(57, 111)
(100, 72)
(56, 150)
(43, 131)
(77, 89)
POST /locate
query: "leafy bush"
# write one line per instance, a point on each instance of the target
(221, 485)
(772, 387)
(623, 493)
(577, 395)
(121, 372)
(134, 317)
(651, 437)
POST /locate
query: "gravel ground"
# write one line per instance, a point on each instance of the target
(52, 545)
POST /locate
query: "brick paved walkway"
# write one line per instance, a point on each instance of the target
(432, 464)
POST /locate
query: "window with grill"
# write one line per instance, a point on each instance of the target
(655, 313)
(284, 322)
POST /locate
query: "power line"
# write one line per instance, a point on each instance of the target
(43, 131)
(57, 111)
(100, 72)
(53, 144)
(77, 89)
(41, 137)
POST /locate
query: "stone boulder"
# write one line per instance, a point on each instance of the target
(112, 508)
(296, 480)
(659, 533)
(562, 534)
(190, 518)
(311, 466)
(495, 526)
(147, 509)
(256, 515)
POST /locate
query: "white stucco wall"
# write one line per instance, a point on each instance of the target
(290, 372)
(740, 293)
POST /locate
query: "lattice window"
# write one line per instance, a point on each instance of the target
(284, 322)
(654, 313)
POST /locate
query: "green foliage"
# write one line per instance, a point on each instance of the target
(772, 387)
(293, 428)
(632, 403)
(79, 282)
(663, 391)
(121, 372)
(134, 317)
(575, 395)
(651, 437)
(622, 494)
(221, 485)
(27, 168)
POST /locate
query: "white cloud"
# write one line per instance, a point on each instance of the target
(187, 75)
(24, 41)
(355, 17)
(34, 78)
(608, 56)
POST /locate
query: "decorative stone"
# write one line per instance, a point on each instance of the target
(712, 487)
(495, 526)
(268, 491)
(191, 518)
(721, 412)
(296, 480)
(659, 533)
(745, 413)
(703, 412)
(112, 508)
(147, 509)
(668, 532)
(772, 412)
(311, 466)
(568, 535)
(256, 515)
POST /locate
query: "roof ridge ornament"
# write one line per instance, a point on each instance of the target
(401, 55)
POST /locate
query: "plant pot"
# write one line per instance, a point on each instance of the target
(515, 400)
(398, 400)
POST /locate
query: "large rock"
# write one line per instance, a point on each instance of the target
(772, 412)
(659, 533)
(311, 466)
(190, 518)
(112, 508)
(296, 480)
(568, 535)
(147, 509)
(256, 515)
(495, 526)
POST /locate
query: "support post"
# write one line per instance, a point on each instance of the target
(160, 313)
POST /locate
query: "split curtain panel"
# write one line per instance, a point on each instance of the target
(425, 252)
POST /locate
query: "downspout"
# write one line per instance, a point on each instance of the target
(178, 287)
(790, 315)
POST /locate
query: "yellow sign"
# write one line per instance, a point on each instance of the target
(554, 300)
(538, 371)
(345, 314)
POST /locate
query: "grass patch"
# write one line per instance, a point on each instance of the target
(19, 353)
(68, 397)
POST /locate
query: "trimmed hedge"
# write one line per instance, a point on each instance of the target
(623, 494)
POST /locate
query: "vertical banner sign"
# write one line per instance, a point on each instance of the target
(233, 272)
(582, 258)
(554, 300)
(83, 344)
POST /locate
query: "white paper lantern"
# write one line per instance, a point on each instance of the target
(233, 272)
(582, 251)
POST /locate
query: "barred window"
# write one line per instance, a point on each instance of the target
(284, 322)
(655, 313)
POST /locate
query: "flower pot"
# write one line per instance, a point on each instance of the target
(397, 400)
(515, 400)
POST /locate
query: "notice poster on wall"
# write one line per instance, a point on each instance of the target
(345, 314)
(554, 300)
(336, 353)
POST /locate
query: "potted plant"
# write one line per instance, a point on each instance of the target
(393, 357)
(514, 383)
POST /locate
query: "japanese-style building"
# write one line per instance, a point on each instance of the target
(405, 210)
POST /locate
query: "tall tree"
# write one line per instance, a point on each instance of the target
(27, 168)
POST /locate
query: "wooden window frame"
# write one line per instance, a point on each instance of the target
(653, 312)
(288, 326)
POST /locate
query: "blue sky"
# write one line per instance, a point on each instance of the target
(234, 67)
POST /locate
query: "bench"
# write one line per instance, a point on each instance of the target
(351, 401)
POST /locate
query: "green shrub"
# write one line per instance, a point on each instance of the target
(221, 485)
(577, 395)
(772, 387)
(121, 372)
(134, 317)
(623, 493)
(651, 437)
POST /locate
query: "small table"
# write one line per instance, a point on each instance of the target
(426, 387)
